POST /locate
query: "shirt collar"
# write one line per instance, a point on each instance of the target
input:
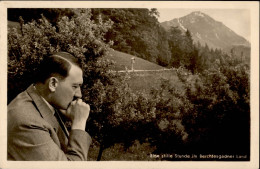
(47, 103)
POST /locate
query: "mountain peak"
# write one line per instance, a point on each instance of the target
(198, 13)
(205, 29)
(198, 16)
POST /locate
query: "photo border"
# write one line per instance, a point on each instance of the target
(253, 6)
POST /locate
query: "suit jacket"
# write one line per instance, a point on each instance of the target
(34, 133)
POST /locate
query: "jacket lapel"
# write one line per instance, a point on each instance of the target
(43, 108)
(47, 114)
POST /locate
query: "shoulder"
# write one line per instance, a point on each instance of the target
(22, 106)
(22, 111)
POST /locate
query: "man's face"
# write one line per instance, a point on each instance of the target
(68, 89)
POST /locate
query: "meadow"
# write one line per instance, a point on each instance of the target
(145, 76)
(123, 62)
(145, 81)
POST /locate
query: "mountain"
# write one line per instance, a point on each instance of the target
(205, 29)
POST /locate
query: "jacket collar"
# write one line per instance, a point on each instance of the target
(42, 107)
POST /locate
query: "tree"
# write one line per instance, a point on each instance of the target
(137, 32)
(189, 52)
(164, 55)
(175, 41)
(29, 14)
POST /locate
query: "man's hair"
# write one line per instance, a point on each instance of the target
(58, 65)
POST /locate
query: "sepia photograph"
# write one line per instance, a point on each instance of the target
(125, 84)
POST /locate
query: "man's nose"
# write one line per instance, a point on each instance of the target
(78, 93)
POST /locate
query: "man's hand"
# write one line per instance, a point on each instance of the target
(78, 112)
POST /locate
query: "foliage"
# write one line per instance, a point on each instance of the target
(29, 14)
(137, 32)
(169, 103)
(136, 152)
(134, 31)
(220, 118)
(39, 39)
(184, 52)
(121, 115)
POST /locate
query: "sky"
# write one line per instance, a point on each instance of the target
(237, 20)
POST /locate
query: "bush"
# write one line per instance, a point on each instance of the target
(220, 119)
(210, 113)
(38, 39)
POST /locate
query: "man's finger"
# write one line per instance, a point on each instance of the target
(88, 107)
(73, 102)
(79, 100)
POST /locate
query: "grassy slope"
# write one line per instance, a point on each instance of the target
(123, 60)
(145, 81)
(142, 81)
(12, 24)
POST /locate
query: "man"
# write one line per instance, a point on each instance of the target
(36, 130)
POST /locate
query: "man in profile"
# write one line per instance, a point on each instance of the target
(36, 130)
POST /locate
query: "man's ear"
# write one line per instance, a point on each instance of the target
(53, 84)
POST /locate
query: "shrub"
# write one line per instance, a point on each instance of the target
(220, 119)
(38, 39)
